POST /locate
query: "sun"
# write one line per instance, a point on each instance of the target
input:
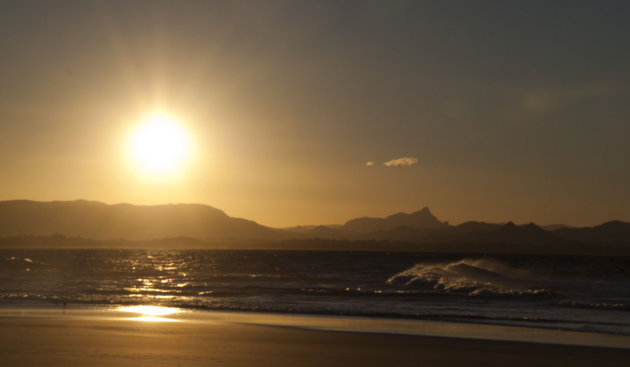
(159, 144)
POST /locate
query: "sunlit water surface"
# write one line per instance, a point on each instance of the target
(563, 292)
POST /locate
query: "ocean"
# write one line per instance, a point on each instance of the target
(580, 293)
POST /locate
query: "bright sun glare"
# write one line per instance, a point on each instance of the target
(150, 310)
(150, 313)
(159, 144)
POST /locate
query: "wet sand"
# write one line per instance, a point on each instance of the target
(105, 338)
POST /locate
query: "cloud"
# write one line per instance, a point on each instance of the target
(369, 164)
(404, 161)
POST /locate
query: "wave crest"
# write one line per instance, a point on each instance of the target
(474, 277)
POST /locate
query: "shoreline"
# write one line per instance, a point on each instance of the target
(106, 338)
(70, 308)
(333, 323)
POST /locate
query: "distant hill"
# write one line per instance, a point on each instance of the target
(95, 220)
(521, 234)
(613, 231)
(422, 227)
(553, 227)
(79, 223)
(422, 219)
(469, 232)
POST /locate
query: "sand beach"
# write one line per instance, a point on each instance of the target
(35, 337)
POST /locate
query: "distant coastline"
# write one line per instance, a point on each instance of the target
(89, 224)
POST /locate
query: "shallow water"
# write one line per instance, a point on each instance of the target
(584, 293)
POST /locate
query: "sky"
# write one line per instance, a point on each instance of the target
(316, 112)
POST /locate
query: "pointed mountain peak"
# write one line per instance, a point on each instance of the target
(422, 219)
(422, 214)
(424, 210)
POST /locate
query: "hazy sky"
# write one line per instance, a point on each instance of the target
(488, 110)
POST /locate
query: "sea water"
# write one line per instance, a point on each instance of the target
(580, 293)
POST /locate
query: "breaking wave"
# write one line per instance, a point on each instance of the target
(474, 277)
(566, 292)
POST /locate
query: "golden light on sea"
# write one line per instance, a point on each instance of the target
(150, 313)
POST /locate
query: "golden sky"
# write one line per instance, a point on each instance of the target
(318, 112)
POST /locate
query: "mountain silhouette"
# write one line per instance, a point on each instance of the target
(95, 220)
(56, 223)
(422, 219)
(613, 231)
(512, 233)
(469, 232)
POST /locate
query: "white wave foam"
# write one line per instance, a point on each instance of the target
(477, 277)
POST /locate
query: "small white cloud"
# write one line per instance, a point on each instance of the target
(404, 161)
(369, 164)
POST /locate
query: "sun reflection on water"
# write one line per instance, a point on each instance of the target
(150, 313)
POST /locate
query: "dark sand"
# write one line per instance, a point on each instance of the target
(98, 339)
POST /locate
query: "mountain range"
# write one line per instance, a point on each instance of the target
(101, 222)
(95, 220)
